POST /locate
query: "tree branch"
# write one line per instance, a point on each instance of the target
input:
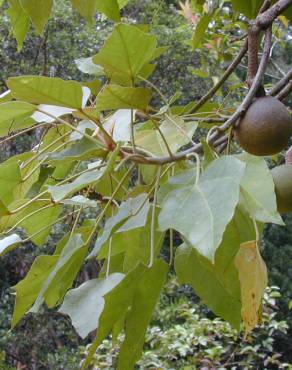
(285, 92)
(224, 77)
(265, 19)
(279, 86)
(231, 121)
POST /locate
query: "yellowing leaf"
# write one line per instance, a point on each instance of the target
(284, 20)
(253, 280)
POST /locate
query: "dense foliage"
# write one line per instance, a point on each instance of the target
(114, 165)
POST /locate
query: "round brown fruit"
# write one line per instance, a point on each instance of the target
(282, 176)
(266, 127)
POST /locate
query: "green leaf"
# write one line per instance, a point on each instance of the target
(7, 244)
(85, 304)
(176, 132)
(47, 90)
(80, 200)
(19, 20)
(217, 284)
(15, 115)
(130, 215)
(59, 192)
(88, 8)
(145, 299)
(202, 211)
(245, 7)
(39, 221)
(116, 97)
(201, 28)
(39, 12)
(257, 190)
(209, 155)
(81, 150)
(6, 96)
(66, 268)
(28, 289)
(134, 244)
(110, 8)
(10, 177)
(117, 302)
(125, 52)
(86, 65)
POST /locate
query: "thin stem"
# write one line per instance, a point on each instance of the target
(171, 251)
(164, 139)
(152, 240)
(100, 217)
(179, 128)
(107, 136)
(47, 227)
(60, 138)
(28, 216)
(224, 77)
(198, 165)
(154, 88)
(133, 132)
(41, 162)
(256, 231)
(11, 137)
(73, 128)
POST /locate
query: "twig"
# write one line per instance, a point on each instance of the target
(233, 119)
(265, 19)
(224, 77)
(152, 240)
(285, 92)
(281, 84)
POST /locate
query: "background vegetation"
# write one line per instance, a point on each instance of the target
(184, 335)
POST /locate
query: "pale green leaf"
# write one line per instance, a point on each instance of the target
(81, 150)
(59, 192)
(80, 200)
(39, 12)
(117, 302)
(125, 52)
(7, 243)
(85, 304)
(202, 211)
(175, 131)
(86, 65)
(145, 299)
(19, 20)
(118, 97)
(257, 190)
(130, 215)
(134, 244)
(6, 96)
